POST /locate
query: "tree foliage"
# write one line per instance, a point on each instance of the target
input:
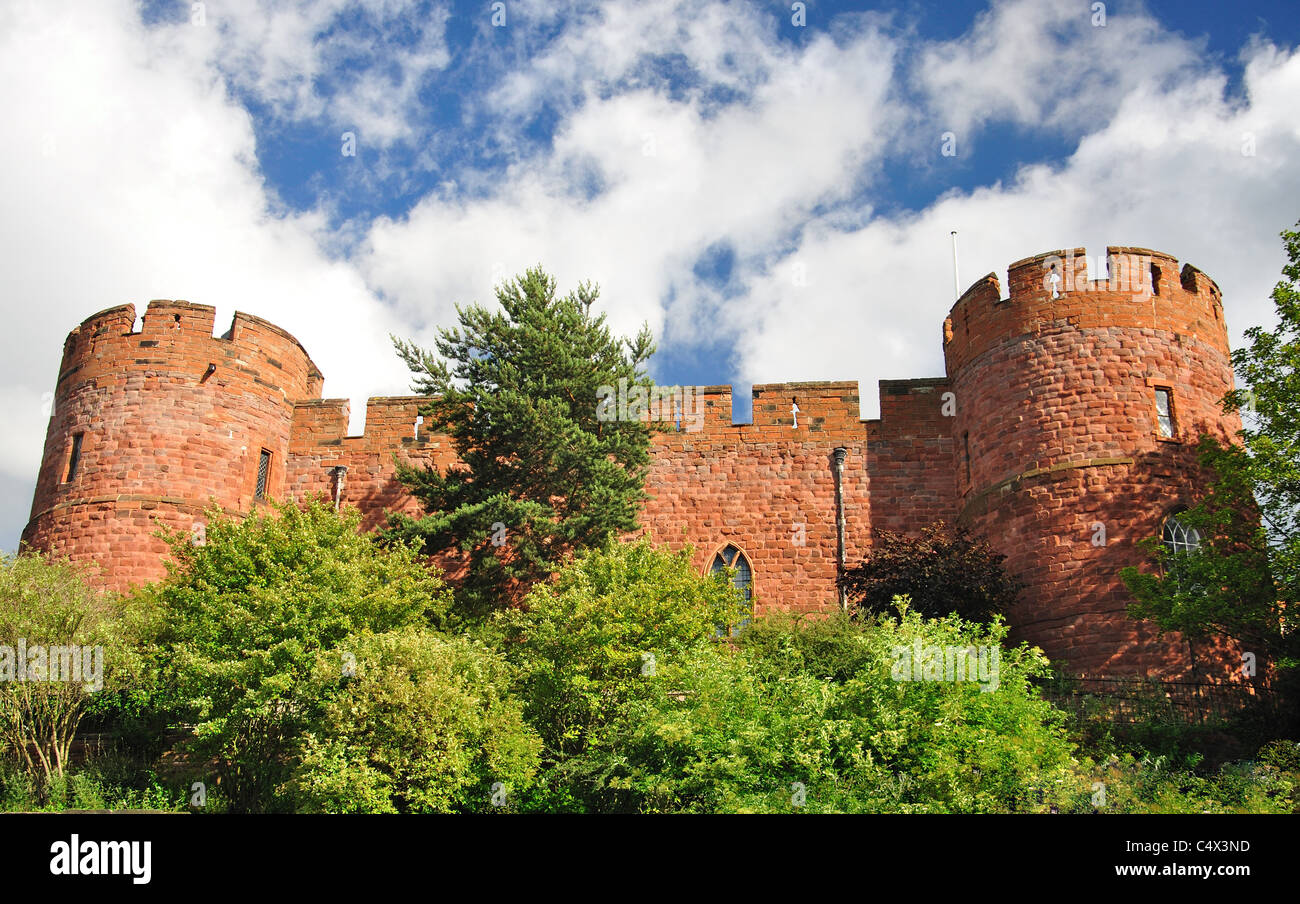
(540, 474)
(413, 722)
(943, 570)
(1243, 579)
(63, 643)
(611, 616)
(764, 727)
(249, 613)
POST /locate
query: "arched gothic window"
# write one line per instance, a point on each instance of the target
(742, 580)
(1180, 539)
(731, 557)
(1178, 536)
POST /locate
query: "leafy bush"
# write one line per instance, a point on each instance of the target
(415, 723)
(1158, 784)
(86, 641)
(943, 570)
(584, 641)
(809, 717)
(107, 785)
(248, 615)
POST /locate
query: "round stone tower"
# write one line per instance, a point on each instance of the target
(1078, 405)
(149, 428)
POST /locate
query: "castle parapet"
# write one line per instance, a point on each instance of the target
(1127, 287)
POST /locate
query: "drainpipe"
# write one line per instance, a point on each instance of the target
(340, 474)
(839, 453)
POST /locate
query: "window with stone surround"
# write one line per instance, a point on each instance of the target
(263, 475)
(74, 457)
(1166, 427)
(742, 579)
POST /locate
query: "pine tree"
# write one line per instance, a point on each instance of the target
(543, 469)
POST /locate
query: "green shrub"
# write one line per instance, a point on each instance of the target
(88, 644)
(99, 785)
(248, 615)
(810, 717)
(584, 641)
(413, 722)
(1158, 784)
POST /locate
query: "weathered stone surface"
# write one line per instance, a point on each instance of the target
(1044, 428)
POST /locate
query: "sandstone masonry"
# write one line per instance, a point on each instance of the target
(1045, 426)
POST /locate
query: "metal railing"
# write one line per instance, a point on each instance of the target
(1131, 700)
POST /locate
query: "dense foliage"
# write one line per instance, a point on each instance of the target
(585, 643)
(541, 473)
(759, 729)
(249, 613)
(1240, 580)
(61, 643)
(310, 674)
(943, 570)
(413, 722)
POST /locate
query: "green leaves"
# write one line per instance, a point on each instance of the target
(539, 473)
(762, 728)
(412, 722)
(250, 612)
(607, 621)
(1248, 562)
(63, 643)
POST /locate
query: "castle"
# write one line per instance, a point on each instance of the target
(1064, 431)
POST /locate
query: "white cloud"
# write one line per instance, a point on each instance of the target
(1044, 63)
(296, 57)
(132, 173)
(676, 179)
(1166, 171)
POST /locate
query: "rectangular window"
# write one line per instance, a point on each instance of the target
(263, 472)
(74, 459)
(965, 441)
(1165, 412)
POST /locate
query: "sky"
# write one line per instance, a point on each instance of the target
(771, 186)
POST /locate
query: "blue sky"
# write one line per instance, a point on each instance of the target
(771, 197)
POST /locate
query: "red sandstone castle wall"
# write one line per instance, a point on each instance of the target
(910, 457)
(767, 487)
(1043, 429)
(320, 443)
(162, 438)
(1057, 396)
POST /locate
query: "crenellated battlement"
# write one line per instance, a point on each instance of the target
(1072, 402)
(176, 338)
(683, 413)
(1129, 287)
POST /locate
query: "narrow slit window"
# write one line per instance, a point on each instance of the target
(965, 440)
(1165, 413)
(263, 472)
(74, 458)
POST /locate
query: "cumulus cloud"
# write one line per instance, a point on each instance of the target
(723, 178)
(131, 174)
(1050, 63)
(359, 63)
